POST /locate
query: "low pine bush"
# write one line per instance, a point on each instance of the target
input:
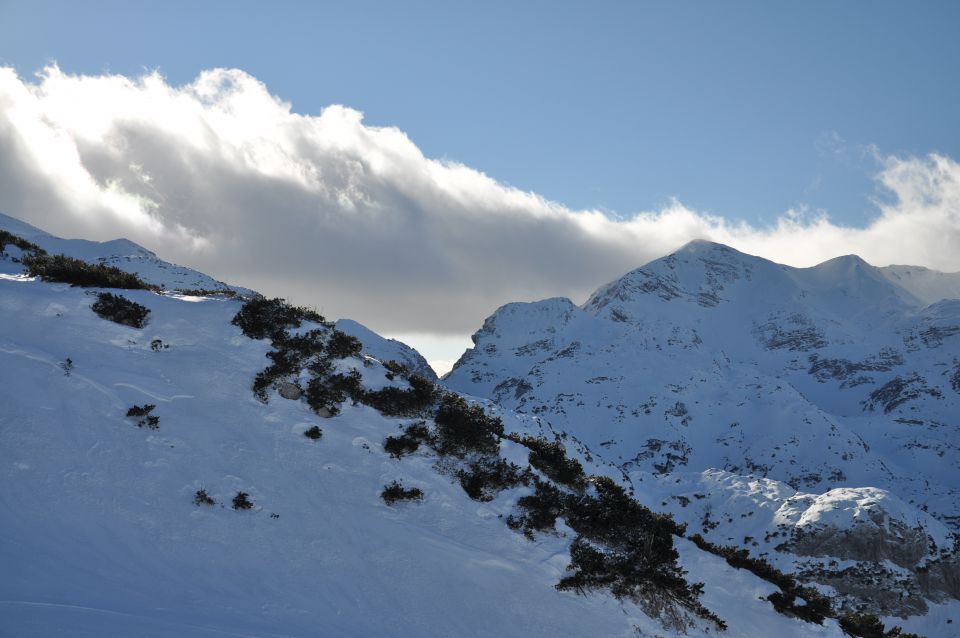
(241, 501)
(202, 498)
(394, 369)
(551, 459)
(539, 511)
(815, 606)
(395, 491)
(76, 272)
(119, 309)
(408, 442)
(342, 346)
(7, 238)
(464, 428)
(487, 476)
(392, 401)
(869, 626)
(260, 318)
(313, 433)
(327, 393)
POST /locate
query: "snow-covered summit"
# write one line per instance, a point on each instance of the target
(834, 377)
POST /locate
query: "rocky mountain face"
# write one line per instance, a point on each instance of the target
(809, 415)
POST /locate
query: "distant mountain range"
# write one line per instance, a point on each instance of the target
(767, 406)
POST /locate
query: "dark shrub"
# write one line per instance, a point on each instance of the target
(119, 309)
(301, 346)
(330, 391)
(313, 433)
(142, 414)
(613, 518)
(79, 273)
(816, 607)
(321, 396)
(260, 384)
(202, 498)
(341, 345)
(869, 626)
(539, 510)
(551, 459)
(242, 501)
(862, 625)
(624, 547)
(408, 442)
(260, 317)
(741, 559)
(463, 428)
(157, 345)
(396, 492)
(814, 610)
(395, 368)
(7, 238)
(392, 401)
(398, 446)
(487, 476)
(346, 385)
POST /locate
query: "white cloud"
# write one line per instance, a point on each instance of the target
(224, 177)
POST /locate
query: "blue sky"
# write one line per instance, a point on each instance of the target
(489, 152)
(742, 109)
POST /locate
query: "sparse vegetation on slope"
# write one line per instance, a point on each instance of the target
(261, 318)
(551, 459)
(76, 272)
(620, 546)
(814, 606)
(869, 626)
(7, 239)
(142, 416)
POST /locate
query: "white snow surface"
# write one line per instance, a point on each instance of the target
(930, 286)
(99, 535)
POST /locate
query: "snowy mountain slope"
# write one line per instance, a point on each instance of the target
(100, 535)
(709, 359)
(122, 254)
(930, 286)
(387, 349)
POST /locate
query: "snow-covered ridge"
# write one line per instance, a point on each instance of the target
(122, 254)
